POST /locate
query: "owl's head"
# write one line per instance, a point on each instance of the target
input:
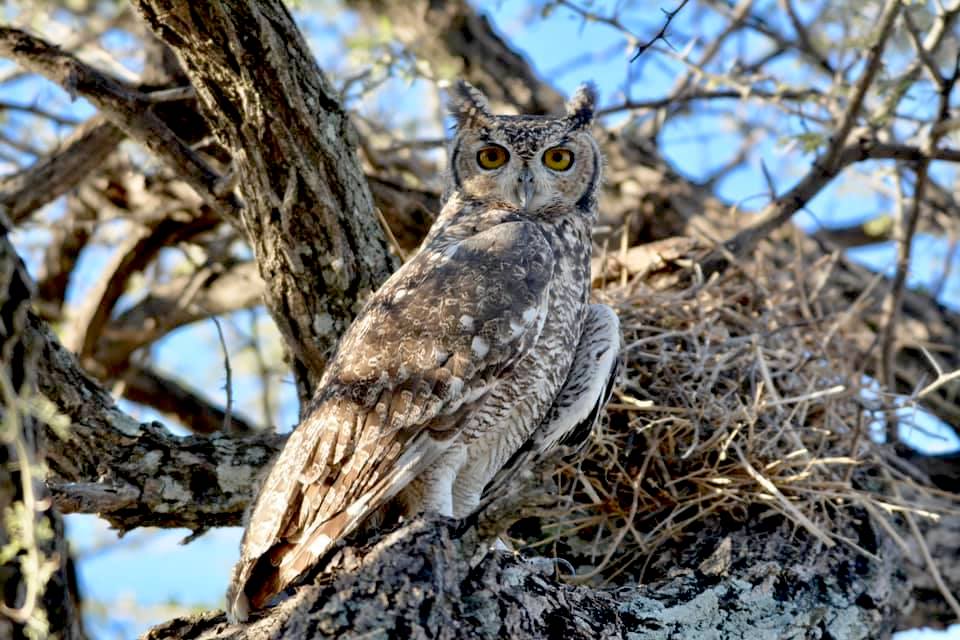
(542, 164)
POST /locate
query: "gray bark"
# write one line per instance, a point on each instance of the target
(433, 580)
(134, 474)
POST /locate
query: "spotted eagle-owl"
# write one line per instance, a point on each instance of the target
(483, 346)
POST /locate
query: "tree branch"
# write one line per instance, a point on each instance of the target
(127, 109)
(69, 237)
(221, 289)
(761, 26)
(432, 580)
(86, 149)
(825, 167)
(408, 211)
(694, 95)
(906, 229)
(782, 209)
(803, 36)
(135, 474)
(39, 597)
(139, 251)
(150, 388)
(662, 34)
(455, 37)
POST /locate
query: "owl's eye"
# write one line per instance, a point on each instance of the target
(558, 158)
(492, 157)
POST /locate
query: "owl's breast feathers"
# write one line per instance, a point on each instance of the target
(428, 346)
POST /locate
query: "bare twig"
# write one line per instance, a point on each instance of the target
(228, 383)
(263, 369)
(922, 52)
(662, 34)
(175, 303)
(782, 41)
(171, 95)
(38, 111)
(803, 36)
(925, 552)
(151, 388)
(711, 94)
(89, 324)
(942, 379)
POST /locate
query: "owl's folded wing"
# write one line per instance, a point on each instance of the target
(424, 351)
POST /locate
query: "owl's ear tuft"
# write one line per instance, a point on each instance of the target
(580, 108)
(469, 106)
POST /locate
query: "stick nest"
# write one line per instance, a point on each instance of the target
(742, 395)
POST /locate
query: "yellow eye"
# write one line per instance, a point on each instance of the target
(492, 157)
(558, 158)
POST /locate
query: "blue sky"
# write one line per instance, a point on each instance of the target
(152, 568)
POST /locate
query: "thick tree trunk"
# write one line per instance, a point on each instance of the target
(38, 588)
(433, 580)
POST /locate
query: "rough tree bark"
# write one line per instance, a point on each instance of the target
(134, 474)
(436, 580)
(38, 588)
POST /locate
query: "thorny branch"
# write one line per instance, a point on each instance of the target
(662, 34)
(907, 230)
(824, 168)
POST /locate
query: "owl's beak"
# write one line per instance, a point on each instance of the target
(526, 188)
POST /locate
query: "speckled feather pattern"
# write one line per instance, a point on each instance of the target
(454, 363)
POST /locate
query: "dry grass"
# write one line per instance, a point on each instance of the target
(743, 394)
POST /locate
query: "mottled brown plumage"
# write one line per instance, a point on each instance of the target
(480, 347)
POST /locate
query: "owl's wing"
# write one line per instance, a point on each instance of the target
(579, 405)
(425, 350)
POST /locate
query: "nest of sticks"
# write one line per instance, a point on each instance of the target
(743, 395)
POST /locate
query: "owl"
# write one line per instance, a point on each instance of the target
(481, 350)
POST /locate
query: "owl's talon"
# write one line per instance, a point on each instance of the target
(550, 566)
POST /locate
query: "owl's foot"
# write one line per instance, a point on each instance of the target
(550, 566)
